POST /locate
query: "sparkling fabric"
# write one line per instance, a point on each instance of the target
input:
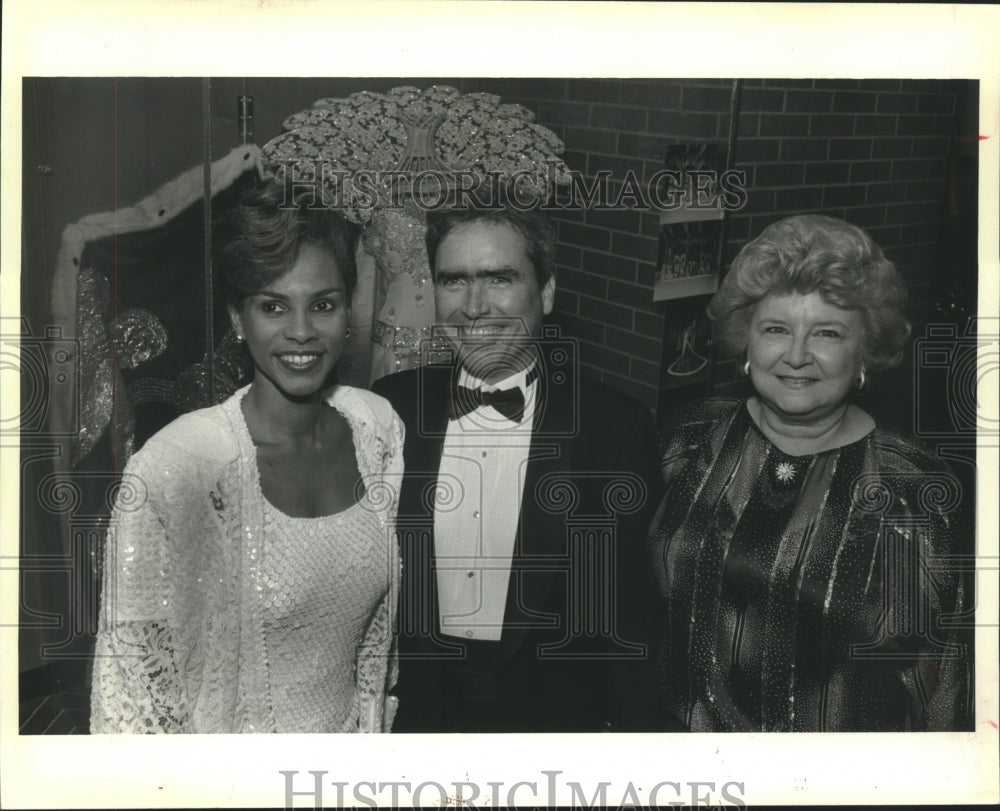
(409, 131)
(396, 240)
(404, 289)
(324, 580)
(323, 588)
(191, 388)
(218, 614)
(138, 337)
(806, 593)
(98, 407)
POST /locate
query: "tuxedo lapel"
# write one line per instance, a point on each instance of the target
(432, 406)
(428, 424)
(540, 549)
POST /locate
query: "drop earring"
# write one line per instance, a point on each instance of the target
(241, 353)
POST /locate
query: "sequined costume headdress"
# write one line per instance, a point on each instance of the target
(381, 158)
(372, 145)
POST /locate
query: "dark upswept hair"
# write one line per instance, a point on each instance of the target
(535, 226)
(261, 237)
(812, 253)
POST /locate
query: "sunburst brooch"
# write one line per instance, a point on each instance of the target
(785, 472)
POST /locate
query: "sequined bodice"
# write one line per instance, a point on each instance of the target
(322, 581)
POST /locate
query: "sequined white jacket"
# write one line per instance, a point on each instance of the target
(180, 641)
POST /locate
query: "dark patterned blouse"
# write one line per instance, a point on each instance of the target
(807, 593)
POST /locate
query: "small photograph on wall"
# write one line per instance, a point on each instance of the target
(687, 259)
(691, 183)
(687, 344)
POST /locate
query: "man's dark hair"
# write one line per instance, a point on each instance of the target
(535, 226)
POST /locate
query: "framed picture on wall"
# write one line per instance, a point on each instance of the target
(691, 182)
(691, 223)
(687, 259)
(687, 344)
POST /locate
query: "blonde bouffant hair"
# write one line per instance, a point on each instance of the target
(812, 253)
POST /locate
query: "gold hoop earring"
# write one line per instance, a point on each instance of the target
(746, 368)
(862, 380)
(347, 333)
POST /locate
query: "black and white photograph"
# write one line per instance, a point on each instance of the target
(390, 431)
(688, 254)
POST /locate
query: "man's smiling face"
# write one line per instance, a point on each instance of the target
(488, 298)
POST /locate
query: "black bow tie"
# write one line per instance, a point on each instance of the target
(509, 402)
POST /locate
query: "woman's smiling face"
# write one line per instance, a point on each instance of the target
(805, 356)
(296, 327)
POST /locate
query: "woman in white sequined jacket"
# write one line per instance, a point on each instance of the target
(251, 573)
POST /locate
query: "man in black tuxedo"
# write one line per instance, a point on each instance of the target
(524, 508)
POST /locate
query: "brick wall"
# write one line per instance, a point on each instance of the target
(873, 152)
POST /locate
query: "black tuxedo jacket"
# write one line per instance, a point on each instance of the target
(576, 651)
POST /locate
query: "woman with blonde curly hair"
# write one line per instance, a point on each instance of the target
(800, 549)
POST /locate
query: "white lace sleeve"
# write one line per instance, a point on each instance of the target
(378, 666)
(378, 661)
(136, 682)
(136, 688)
